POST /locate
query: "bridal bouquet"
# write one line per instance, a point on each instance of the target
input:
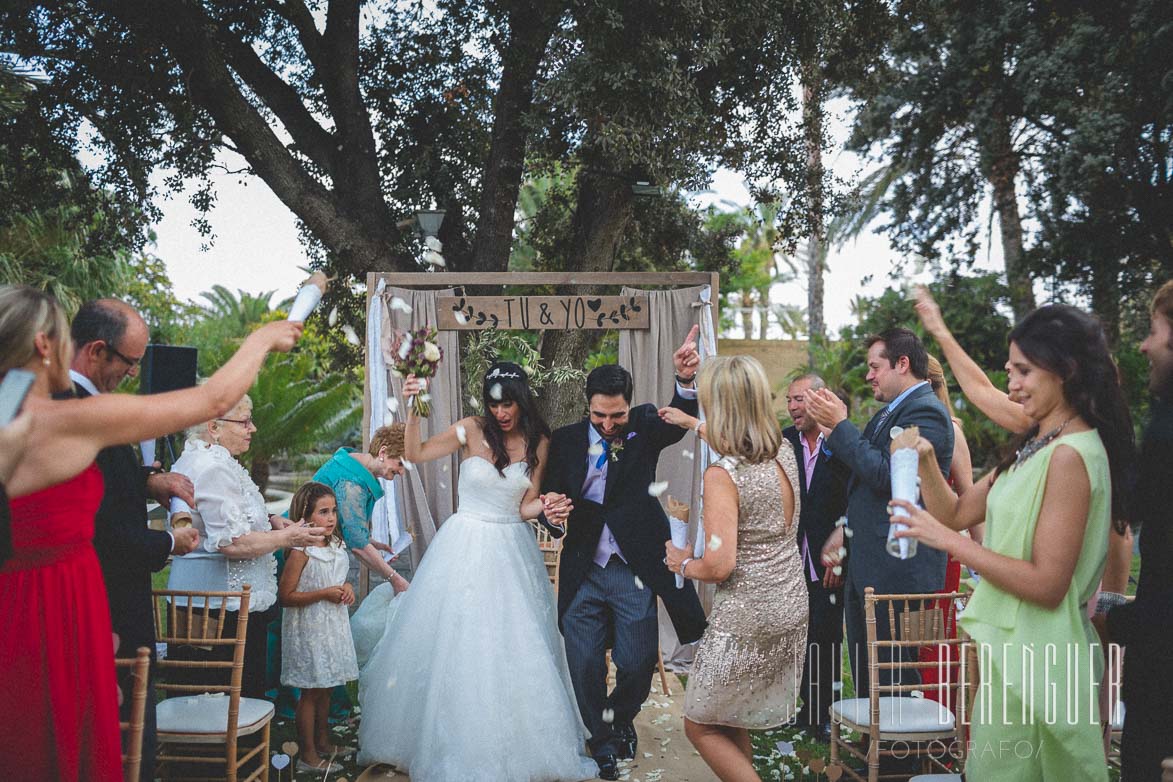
(418, 355)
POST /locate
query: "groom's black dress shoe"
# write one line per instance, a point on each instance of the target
(628, 742)
(608, 766)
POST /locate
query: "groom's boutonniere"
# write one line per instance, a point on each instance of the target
(617, 447)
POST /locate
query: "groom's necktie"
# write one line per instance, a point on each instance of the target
(603, 456)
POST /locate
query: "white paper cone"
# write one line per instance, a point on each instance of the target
(903, 473)
(307, 298)
(679, 540)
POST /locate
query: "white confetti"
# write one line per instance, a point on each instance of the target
(785, 748)
(407, 465)
(687, 454)
(917, 694)
(433, 244)
(461, 434)
(461, 318)
(474, 403)
(715, 542)
(638, 584)
(400, 305)
(425, 397)
(836, 686)
(392, 405)
(495, 392)
(842, 522)
(895, 432)
(657, 488)
(404, 348)
(647, 754)
(443, 468)
(833, 600)
(608, 716)
(350, 334)
(596, 450)
(847, 531)
(842, 552)
(837, 570)
(433, 258)
(332, 318)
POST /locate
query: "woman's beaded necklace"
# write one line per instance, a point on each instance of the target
(1039, 443)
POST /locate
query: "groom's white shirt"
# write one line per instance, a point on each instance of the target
(593, 489)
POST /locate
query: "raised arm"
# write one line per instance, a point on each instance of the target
(978, 389)
(442, 444)
(69, 433)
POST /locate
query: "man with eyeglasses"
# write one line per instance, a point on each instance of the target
(110, 339)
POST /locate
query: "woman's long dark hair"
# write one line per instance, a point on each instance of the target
(510, 381)
(1070, 343)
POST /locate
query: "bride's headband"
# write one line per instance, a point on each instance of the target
(504, 370)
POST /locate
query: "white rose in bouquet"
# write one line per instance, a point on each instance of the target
(431, 351)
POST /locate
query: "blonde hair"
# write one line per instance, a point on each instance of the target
(740, 420)
(936, 380)
(24, 313)
(391, 437)
(1163, 302)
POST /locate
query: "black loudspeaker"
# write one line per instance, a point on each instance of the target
(167, 368)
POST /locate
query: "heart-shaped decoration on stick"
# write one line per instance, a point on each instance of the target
(290, 748)
(280, 761)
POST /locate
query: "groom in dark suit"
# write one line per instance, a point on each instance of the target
(898, 368)
(613, 558)
(110, 339)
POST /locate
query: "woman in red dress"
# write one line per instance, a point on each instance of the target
(57, 697)
(961, 480)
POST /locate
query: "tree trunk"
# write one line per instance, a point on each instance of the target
(601, 215)
(746, 317)
(530, 31)
(812, 121)
(1105, 299)
(1002, 171)
(764, 323)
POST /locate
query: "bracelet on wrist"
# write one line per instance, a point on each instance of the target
(685, 381)
(684, 564)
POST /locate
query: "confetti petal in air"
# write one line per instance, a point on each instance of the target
(833, 600)
(461, 434)
(715, 542)
(392, 405)
(407, 465)
(495, 392)
(917, 694)
(842, 552)
(836, 686)
(400, 305)
(461, 317)
(657, 488)
(837, 570)
(842, 522)
(350, 334)
(332, 318)
(433, 244)
(596, 450)
(474, 403)
(848, 532)
(404, 348)
(608, 716)
(687, 454)
(638, 584)
(433, 258)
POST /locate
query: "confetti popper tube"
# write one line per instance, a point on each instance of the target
(308, 296)
(903, 474)
(679, 540)
(180, 513)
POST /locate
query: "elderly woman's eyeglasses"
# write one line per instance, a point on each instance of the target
(242, 421)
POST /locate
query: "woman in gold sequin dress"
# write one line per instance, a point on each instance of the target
(750, 658)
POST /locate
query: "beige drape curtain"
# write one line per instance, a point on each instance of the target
(647, 354)
(427, 492)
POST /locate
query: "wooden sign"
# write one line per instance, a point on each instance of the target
(474, 313)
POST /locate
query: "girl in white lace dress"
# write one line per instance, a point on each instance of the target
(317, 653)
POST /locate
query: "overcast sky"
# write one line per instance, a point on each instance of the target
(256, 246)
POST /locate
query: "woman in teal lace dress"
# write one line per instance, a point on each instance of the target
(1047, 510)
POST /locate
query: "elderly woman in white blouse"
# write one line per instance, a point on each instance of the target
(237, 539)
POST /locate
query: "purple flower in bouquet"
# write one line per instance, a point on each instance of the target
(419, 355)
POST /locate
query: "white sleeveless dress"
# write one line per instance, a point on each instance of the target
(469, 680)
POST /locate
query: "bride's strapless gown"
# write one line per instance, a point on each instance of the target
(469, 679)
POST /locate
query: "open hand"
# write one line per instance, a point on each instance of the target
(827, 409)
(923, 526)
(686, 359)
(162, 486)
(677, 417)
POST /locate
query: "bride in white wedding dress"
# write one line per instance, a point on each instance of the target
(469, 679)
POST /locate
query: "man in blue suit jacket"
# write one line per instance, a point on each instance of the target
(897, 372)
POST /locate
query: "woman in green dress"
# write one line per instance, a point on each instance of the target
(1047, 509)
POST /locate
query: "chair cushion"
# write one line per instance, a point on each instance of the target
(207, 713)
(897, 715)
